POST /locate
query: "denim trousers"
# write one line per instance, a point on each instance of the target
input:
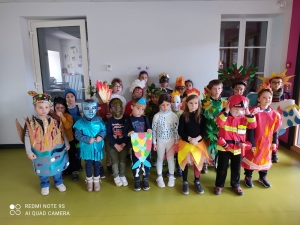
(88, 168)
(57, 178)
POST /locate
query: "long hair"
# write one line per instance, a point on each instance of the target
(186, 112)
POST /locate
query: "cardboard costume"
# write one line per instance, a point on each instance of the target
(46, 140)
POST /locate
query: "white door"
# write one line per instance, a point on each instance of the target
(60, 56)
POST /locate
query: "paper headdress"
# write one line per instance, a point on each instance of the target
(137, 83)
(163, 77)
(193, 91)
(153, 90)
(40, 97)
(180, 82)
(282, 76)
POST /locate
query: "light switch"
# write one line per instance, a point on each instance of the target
(109, 67)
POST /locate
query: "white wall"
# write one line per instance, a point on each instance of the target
(181, 38)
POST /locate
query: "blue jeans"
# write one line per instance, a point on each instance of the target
(88, 168)
(57, 178)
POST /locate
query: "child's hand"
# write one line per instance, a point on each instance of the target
(92, 140)
(189, 138)
(98, 139)
(227, 109)
(59, 114)
(130, 133)
(123, 145)
(118, 147)
(194, 141)
(149, 131)
(273, 147)
(155, 147)
(68, 147)
(247, 112)
(253, 149)
(31, 156)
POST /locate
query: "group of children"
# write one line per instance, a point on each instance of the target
(184, 131)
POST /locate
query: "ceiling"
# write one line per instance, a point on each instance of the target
(52, 1)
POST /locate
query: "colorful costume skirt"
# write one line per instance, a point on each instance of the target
(192, 154)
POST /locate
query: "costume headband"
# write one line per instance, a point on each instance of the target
(282, 76)
(141, 101)
(193, 91)
(139, 68)
(263, 86)
(40, 97)
(137, 83)
(180, 82)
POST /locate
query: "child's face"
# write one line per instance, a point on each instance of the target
(164, 84)
(42, 109)
(276, 83)
(181, 90)
(193, 104)
(165, 106)
(117, 88)
(70, 98)
(237, 112)
(137, 93)
(144, 77)
(265, 99)
(60, 108)
(188, 86)
(239, 89)
(154, 99)
(216, 91)
(117, 109)
(138, 110)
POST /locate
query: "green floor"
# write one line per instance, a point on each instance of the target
(279, 204)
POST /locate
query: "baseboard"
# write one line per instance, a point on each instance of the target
(286, 145)
(12, 146)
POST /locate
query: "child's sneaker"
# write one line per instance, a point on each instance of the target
(137, 185)
(238, 190)
(45, 191)
(275, 158)
(167, 174)
(198, 187)
(218, 190)
(171, 181)
(160, 182)
(109, 169)
(248, 182)
(264, 182)
(61, 187)
(124, 181)
(146, 186)
(118, 181)
(179, 172)
(204, 168)
(75, 176)
(185, 188)
(102, 173)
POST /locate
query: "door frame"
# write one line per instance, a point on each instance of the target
(33, 25)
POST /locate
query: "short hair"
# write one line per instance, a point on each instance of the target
(214, 83)
(137, 87)
(143, 72)
(264, 90)
(189, 81)
(89, 100)
(164, 97)
(117, 80)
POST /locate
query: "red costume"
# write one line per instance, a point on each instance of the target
(268, 122)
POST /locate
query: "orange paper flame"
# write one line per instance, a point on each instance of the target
(103, 91)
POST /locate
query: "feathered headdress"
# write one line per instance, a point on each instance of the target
(180, 82)
(103, 90)
(137, 83)
(173, 94)
(234, 75)
(163, 77)
(282, 76)
(193, 91)
(40, 97)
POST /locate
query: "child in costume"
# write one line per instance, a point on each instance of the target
(118, 142)
(232, 136)
(164, 79)
(45, 143)
(136, 88)
(117, 87)
(152, 107)
(143, 75)
(165, 136)
(188, 86)
(265, 137)
(137, 124)
(212, 104)
(277, 81)
(90, 131)
(62, 114)
(180, 86)
(191, 147)
(176, 108)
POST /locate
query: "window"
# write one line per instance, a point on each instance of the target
(244, 42)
